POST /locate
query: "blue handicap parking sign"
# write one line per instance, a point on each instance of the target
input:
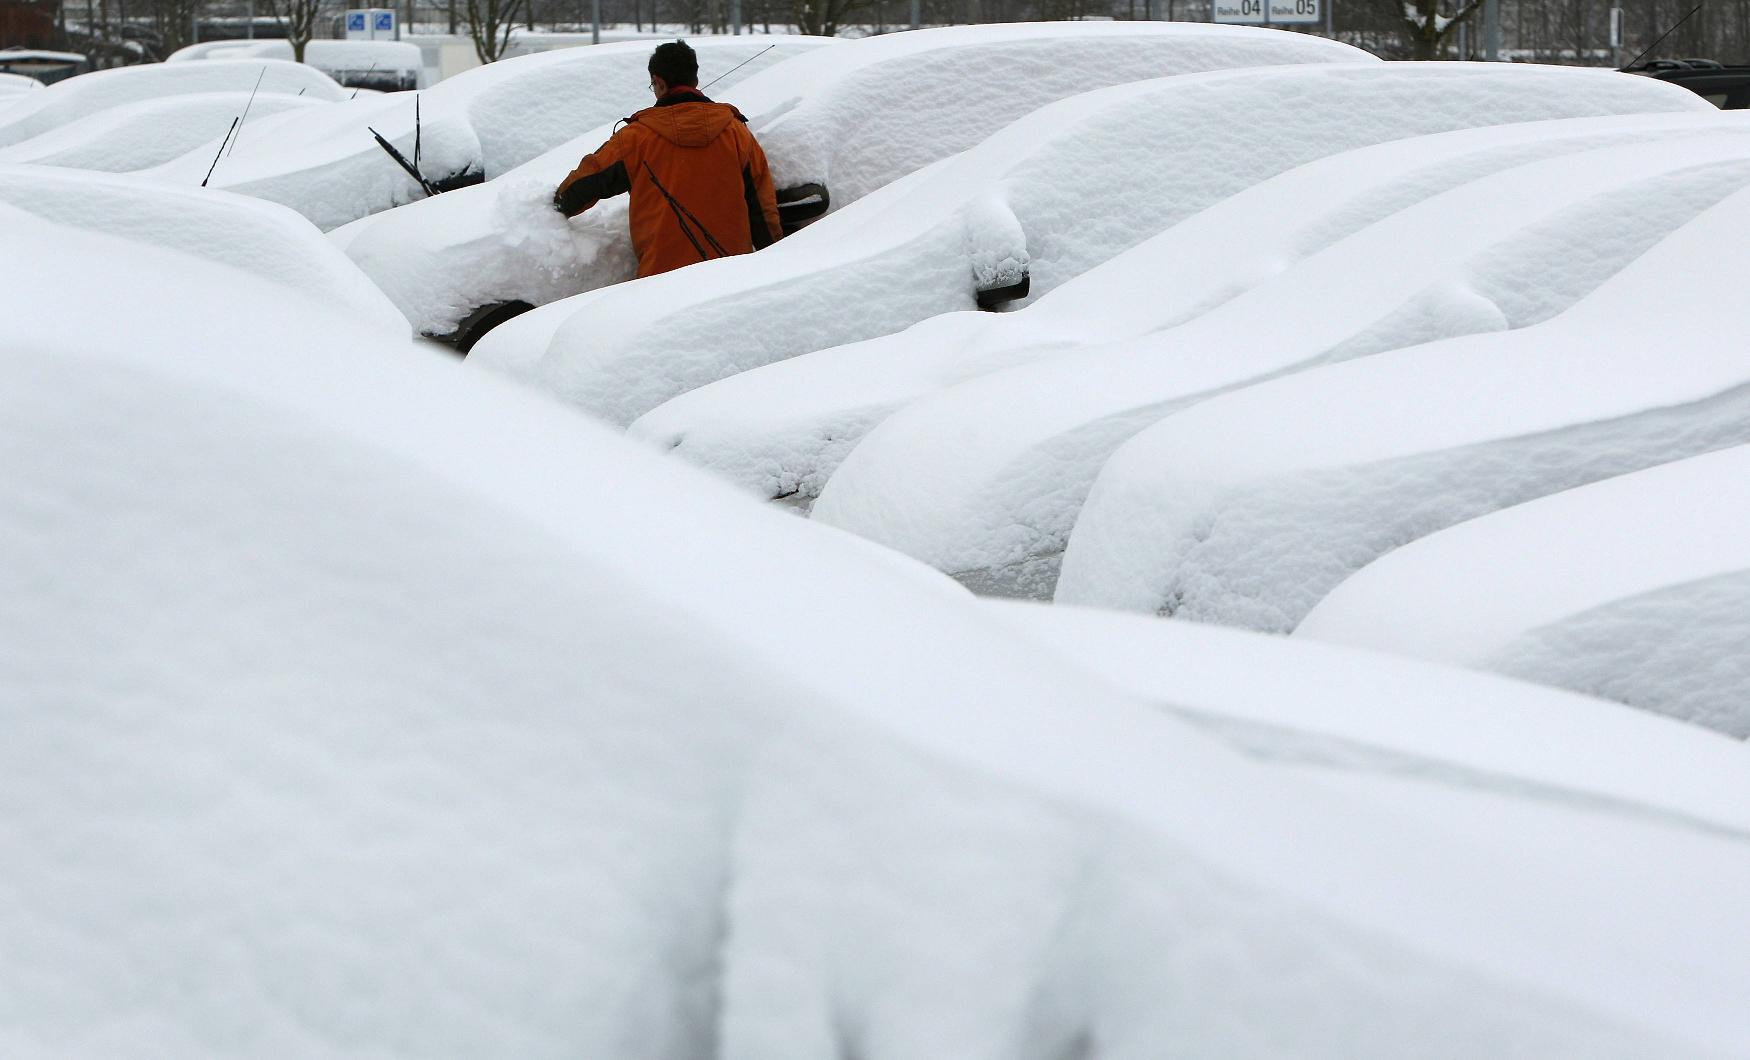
(385, 20)
(355, 22)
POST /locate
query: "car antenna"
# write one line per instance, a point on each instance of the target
(246, 107)
(222, 144)
(355, 91)
(738, 66)
(1665, 34)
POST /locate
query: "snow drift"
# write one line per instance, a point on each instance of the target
(781, 431)
(82, 96)
(853, 118)
(480, 123)
(985, 479)
(1631, 588)
(1248, 508)
(144, 134)
(343, 715)
(1052, 195)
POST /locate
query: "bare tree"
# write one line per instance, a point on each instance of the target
(490, 23)
(1425, 26)
(174, 21)
(299, 19)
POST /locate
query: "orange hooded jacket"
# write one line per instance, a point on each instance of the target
(699, 183)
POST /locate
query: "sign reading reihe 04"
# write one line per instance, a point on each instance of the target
(1266, 12)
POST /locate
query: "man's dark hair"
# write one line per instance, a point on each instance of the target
(675, 63)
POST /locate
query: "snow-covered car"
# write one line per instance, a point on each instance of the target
(329, 167)
(1632, 588)
(269, 243)
(1046, 199)
(355, 703)
(85, 95)
(835, 125)
(781, 431)
(17, 84)
(152, 131)
(383, 65)
(1248, 508)
(985, 479)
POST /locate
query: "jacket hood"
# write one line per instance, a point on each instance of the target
(687, 124)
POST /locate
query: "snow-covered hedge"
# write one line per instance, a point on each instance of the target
(782, 430)
(352, 704)
(986, 478)
(488, 120)
(1248, 508)
(1055, 194)
(855, 118)
(1632, 588)
(153, 131)
(79, 97)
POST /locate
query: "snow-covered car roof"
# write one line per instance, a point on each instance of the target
(258, 238)
(782, 430)
(853, 118)
(1630, 588)
(996, 506)
(79, 97)
(140, 135)
(478, 124)
(17, 84)
(1249, 508)
(367, 704)
(1048, 197)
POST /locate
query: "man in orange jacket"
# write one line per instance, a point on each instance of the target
(699, 183)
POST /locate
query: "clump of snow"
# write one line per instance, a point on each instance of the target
(893, 260)
(485, 121)
(144, 134)
(855, 117)
(1251, 507)
(266, 241)
(985, 479)
(352, 719)
(82, 96)
(1630, 588)
(782, 430)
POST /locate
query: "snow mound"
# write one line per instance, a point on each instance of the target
(855, 117)
(85, 95)
(782, 430)
(995, 504)
(480, 123)
(145, 134)
(266, 241)
(1062, 190)
(1631, 588)
(1249, 508)
(349, 717)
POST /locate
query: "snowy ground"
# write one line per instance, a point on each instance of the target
(360, 700)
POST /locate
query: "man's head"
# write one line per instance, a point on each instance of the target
(673, 65)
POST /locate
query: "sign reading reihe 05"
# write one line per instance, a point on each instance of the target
(1266, 12)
